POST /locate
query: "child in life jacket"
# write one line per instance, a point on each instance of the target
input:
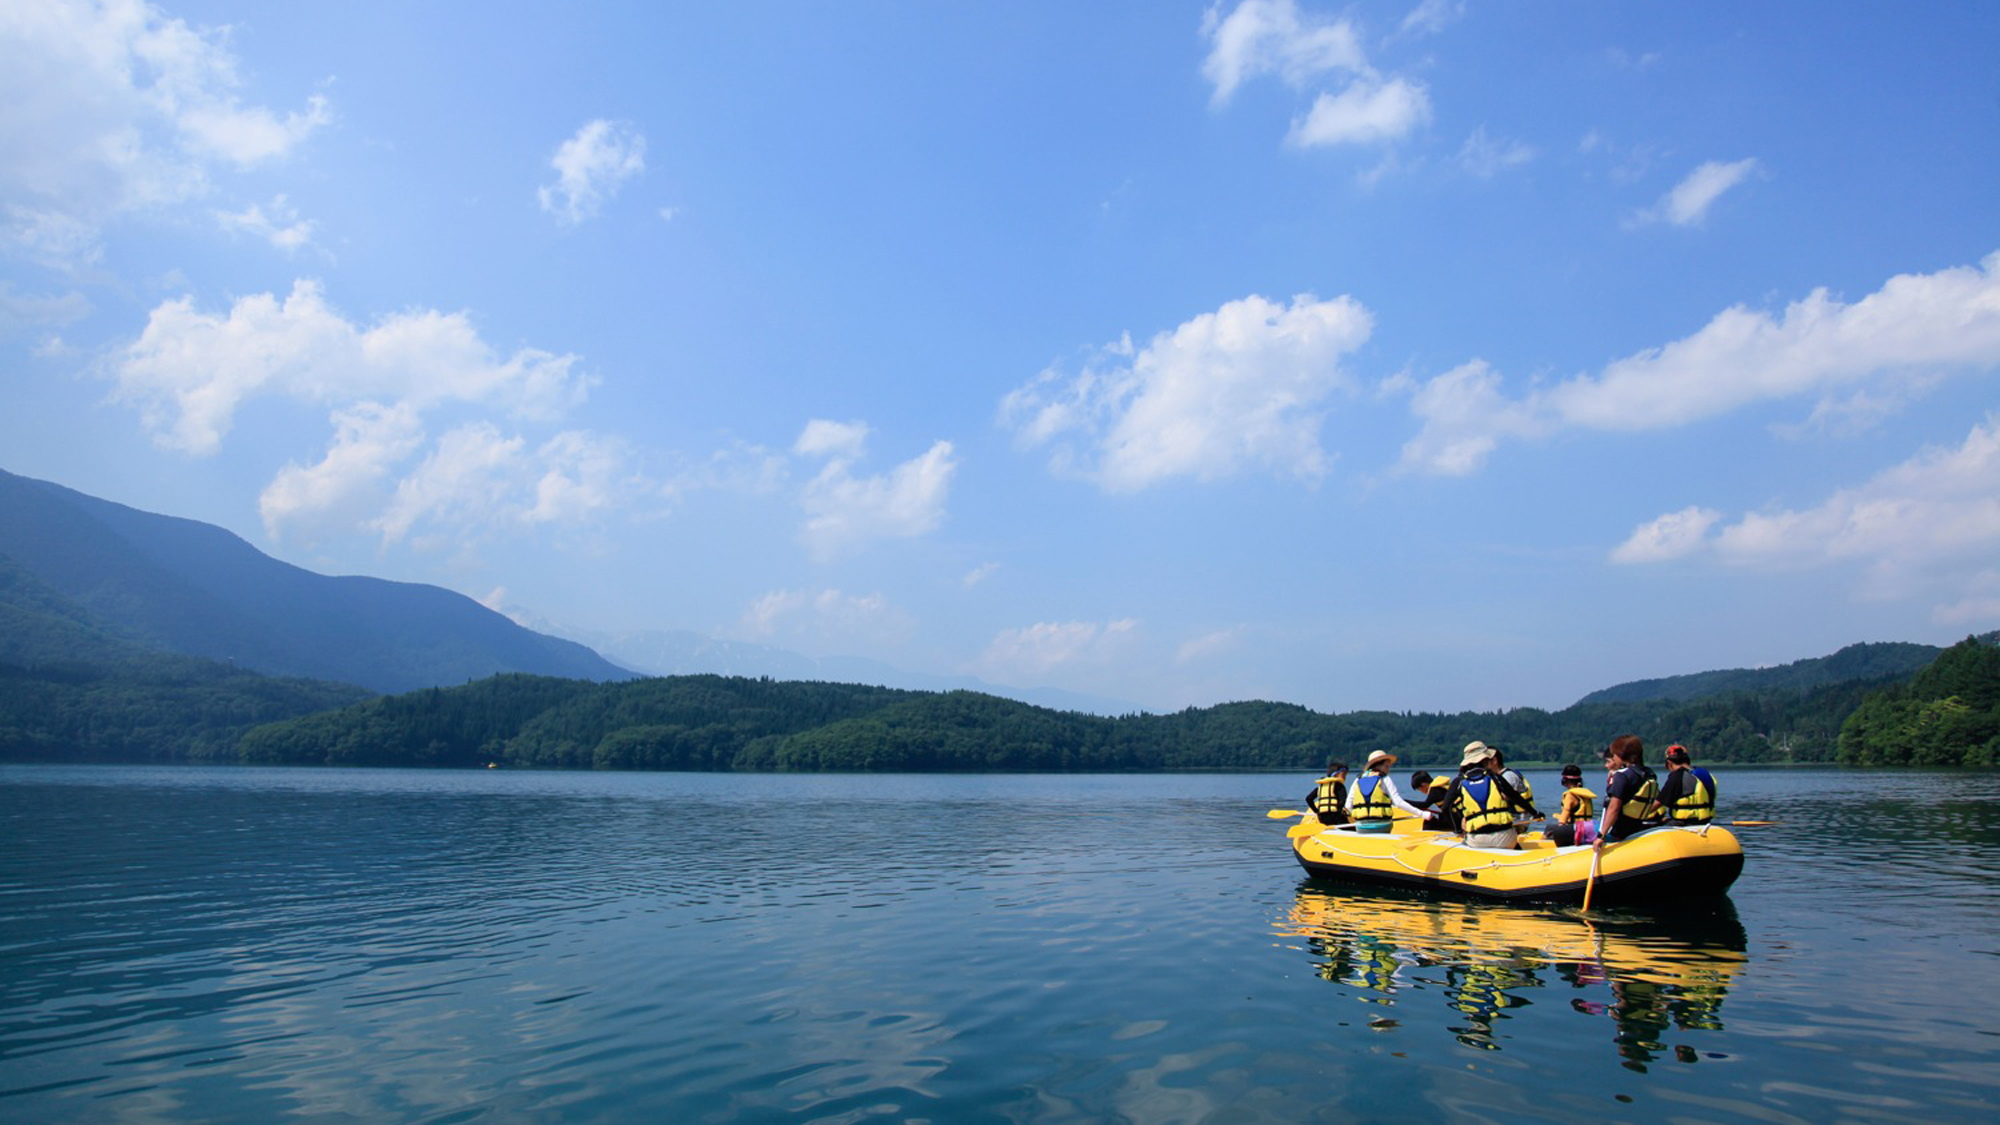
(1576, 821)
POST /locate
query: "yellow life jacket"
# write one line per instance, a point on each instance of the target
(1579, 803)
(1696, 802)
(1374, 803)
(1482, 807)
(1643, 805)
(1327, 795)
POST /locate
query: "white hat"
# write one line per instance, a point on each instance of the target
(1475, 752)
(1379, 756)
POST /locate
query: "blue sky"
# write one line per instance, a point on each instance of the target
(1402, 355)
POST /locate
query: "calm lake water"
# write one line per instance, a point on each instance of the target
(239, 945)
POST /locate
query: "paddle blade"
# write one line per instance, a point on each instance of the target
(1283, 814)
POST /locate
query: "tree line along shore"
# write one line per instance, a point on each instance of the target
(181, 709)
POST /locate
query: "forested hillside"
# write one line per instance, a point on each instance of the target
(731, 723)
(1948, 715)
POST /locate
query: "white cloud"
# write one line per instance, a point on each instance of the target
(1486, 157)
(1688, 203)
(189, 371)
(581, 475)
(980, 574)
(1669, 537)
(114, 108)
(1246, 385)
(1465, 416)
(1029, 654)
(1433, 16)
(1930, 523)
(822, 438)
(845, 511)
(1915, 329)
(20, 312)
(1261, 37)
(464, 480)
(1208, 645)
(590, 168)
(826, 617)
(369, 441)
(1367, 112)
(282, 227)
(477, 482)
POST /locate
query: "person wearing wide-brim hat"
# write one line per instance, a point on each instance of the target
(1483, 802)
(1372, 800)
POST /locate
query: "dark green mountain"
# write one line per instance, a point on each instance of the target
(123, 577)
(1868, 662)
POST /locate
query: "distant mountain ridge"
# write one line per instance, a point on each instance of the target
(1865, 662)
(89, 572)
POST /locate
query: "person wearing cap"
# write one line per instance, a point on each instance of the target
(1373, 800)
(1484, 801)
(1574, 820)
(1688, 793)
(1328, 798)
(1631, 793)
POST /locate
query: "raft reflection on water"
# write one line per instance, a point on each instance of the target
(1651, 973)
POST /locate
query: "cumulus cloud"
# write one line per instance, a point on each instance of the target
(1365, 112)
(590, 168)
(1261, 37)
(116, 108)
(478, 481)
(1245, 386)
(1029, 654)
(1669, 537)
(190, 370)
(344, 487)
(1915, 329)
(1688, 203)
(845, 511)
(1932, 522)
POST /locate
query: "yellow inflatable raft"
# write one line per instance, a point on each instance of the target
(1657, 865)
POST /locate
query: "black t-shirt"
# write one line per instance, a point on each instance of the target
(1625, 786)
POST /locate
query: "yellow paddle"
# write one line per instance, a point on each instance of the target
(1590, 884)
(1283, 814)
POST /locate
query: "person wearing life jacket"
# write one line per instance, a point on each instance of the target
(1484, 802)
(1631, 793)
(1427, 793)
(1688, 793)
(1520, 784)
(1328, 798)
(1575, 821)
(1372, 801)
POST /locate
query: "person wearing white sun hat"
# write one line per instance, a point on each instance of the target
(1373, 800)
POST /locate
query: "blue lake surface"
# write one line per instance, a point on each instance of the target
(246, 945)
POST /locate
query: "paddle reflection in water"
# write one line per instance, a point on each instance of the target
(1653, 974)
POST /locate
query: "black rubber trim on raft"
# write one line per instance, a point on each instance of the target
(1691, 877)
